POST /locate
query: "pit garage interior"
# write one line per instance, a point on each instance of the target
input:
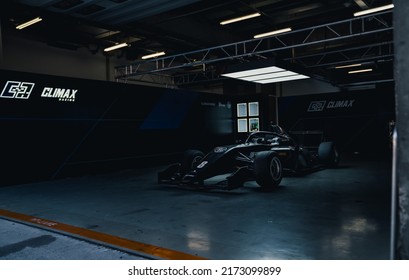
(85, 130)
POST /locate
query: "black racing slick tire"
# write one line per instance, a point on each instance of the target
(328, 154)
(267, 169)
(191, 158)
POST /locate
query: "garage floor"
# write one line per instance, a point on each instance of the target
(341, 213)
(22, 242)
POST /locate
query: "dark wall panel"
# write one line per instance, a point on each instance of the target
(356, 121)
(99, 126)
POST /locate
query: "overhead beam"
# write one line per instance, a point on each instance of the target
(387, 44)
(1, 45)
(340, 30)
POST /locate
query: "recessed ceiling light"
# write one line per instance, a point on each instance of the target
(283, 79)
(265, 75)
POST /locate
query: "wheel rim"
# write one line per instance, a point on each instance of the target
(275, 169)
(195, 161)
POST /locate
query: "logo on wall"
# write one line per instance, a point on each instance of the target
(62, 94)
(17, 90)
(317, 106)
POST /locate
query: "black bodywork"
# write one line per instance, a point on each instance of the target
(264, 157)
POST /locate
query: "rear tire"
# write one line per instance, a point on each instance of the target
(328, 154)
(267, 169)
(190, 160)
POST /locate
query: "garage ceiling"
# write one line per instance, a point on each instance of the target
(325, 34)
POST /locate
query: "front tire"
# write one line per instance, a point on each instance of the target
(190, 160)
(267, 169)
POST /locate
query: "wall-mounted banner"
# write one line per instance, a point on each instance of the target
(319, 106)
(357, 121)
(79, 126)
(23, 90)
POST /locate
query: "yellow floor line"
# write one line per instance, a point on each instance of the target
(116, 241)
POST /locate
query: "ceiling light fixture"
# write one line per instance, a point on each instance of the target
(28, 23)
(117, 46)
(265, 75)
(373, 10)
(360, 71)
(224, 22)
(361, 4)
(275, 32)
(107, 33)
(153, 55)
(293, 77)
(348, 66)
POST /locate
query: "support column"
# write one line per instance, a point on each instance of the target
(401, 73)
(1, 47)
(107, 68)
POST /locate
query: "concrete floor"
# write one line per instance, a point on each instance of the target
(341, 213)
(22, 242)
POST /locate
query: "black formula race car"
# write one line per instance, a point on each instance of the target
(263, 157)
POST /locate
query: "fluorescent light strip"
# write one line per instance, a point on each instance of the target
(374, 10)
(114, 47)
(283, 79)
(224, 22)
(153, 55)
(275, 32)
(360, 71)
(28, 23)
(347, 66)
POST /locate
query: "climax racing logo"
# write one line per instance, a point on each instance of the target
(319, 106)
(17, 90)
(62, 94)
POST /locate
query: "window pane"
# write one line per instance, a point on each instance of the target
(253, 109)
(254, 124)
(242, 125)
(241, 110)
